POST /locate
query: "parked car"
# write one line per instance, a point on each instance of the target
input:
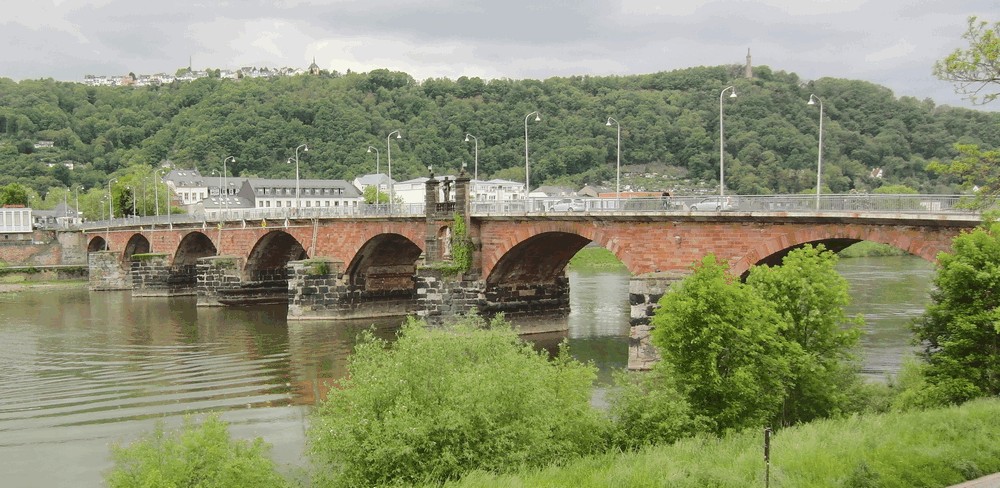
(568, 205)
(712, 204)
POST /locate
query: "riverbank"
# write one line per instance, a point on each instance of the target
(938, 447)
(7, 287)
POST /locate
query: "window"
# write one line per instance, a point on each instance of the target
(277, 204)
(308, 203)
(260, 204)
(327, 203)
(268, 205)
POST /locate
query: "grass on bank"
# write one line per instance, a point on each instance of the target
(933, 448)
(869, 249)
(594, 258)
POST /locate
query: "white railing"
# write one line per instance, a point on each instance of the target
(860, 204)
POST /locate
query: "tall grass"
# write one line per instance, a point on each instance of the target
(933, 448)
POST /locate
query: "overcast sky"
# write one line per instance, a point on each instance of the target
(889, 42)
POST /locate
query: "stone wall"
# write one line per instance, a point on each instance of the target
(534, 299)
(441, 297)
(644, 293)
(150, 275)
(43, 248)
(217, 273)
(107, 273)
(318, 289)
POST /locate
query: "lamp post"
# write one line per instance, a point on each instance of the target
(475, 174)
(618, 166)
(819, 160)
(107, 229)
(131, 192)
(378, 187)
(722, 143)
(111, 200)
(156, 192)
(527, 175)
(77, 219)
(304, 149)
(389, 157)
(225, 185)
(144, 197)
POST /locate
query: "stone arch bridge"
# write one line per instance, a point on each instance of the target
(372, 264)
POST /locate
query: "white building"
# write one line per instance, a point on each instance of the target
(412, 191)
(15, 219)
(268, 193)
(498, 190)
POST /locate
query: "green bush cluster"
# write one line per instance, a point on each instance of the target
(776, 350)
(202, 455)
(440, 402)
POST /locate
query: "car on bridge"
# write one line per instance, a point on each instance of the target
(712, 204)
(568, 205)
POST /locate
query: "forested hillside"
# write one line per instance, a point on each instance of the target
(669, 120)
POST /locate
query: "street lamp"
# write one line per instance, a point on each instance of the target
(475, 174)
(378, 186)
(389, 156)
(618, 166)
(527, 180)
(107, 230)
(819, 161)
(132, 192)
(304, 149)
(111, 200)
(722, 174)
(225, 185)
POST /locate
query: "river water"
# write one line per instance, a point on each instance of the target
(80, 371)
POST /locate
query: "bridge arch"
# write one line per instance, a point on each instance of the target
(97, 244)
(384, 262)
(540, 258)
(194, 245)
(137, 244)
(921, 242)
(270, 256)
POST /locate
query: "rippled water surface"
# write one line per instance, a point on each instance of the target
(80, 370)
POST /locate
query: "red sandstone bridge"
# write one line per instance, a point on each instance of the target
(376, 261)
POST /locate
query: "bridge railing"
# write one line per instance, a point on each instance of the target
(783, 204)
(797, 204)
(261, 214)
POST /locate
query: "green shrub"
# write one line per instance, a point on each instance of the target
(198, 455)
(900, 450)
(444, 401)
(648, 409)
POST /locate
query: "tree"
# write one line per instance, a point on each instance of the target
(809, 293)
(960, 330)
(198, 455)
(724, 345)
(445, 401)
(373, 195)
(14, 194)
(976, 68)
(976, 168)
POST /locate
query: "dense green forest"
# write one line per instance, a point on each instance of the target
(669, 123)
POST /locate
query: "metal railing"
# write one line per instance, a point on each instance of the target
(755, 204)
(860, 204)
